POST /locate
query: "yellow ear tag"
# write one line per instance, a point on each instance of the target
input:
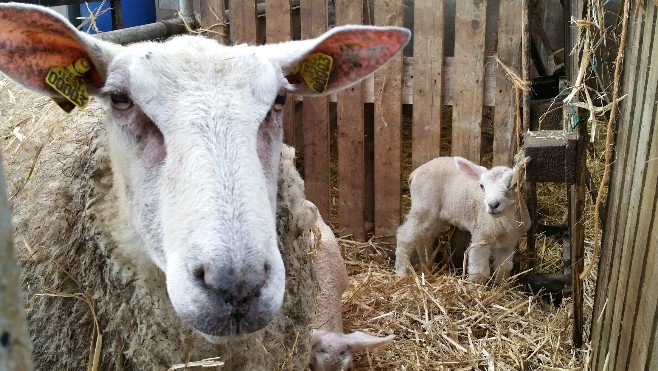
(315, 70)
(68, 82)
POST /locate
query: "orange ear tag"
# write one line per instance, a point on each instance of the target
(68, 82)
(315, 70)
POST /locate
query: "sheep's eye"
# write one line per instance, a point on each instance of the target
(279, 102)
(481, 186)
(121, 101)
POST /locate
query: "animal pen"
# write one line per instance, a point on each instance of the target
(462, 89)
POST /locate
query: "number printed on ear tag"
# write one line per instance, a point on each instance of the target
(68, 82)
(315, 69)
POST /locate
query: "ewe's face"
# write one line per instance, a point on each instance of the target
(499, 189)
(199, 150)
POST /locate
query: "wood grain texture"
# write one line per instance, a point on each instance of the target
(388, 120)
(629, 208)
(316, 120)
(243, 21)
(509, 53)
(428, 74)
(212, 20)
(349, 109)
(608, 271)
(278, 28)
(639, 194)
(470, 25)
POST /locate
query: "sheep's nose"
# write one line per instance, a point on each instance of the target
(235, 286)
(494, 205)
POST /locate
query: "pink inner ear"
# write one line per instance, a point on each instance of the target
(32, 41)
(467, 168)
(359, 52)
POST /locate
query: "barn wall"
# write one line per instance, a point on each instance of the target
(625, 312)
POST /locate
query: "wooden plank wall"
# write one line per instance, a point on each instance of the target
(369, 167)
(350, 138)
(624, 332)
(315, 113)
(388, 133)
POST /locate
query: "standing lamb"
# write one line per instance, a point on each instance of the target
(454, 191)
(194, 137)
(331, 349)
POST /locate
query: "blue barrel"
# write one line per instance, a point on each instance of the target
(103, 21)
(133, 13)
(137, 12)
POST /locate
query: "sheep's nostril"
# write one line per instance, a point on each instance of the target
(199, 274)
(494, 206)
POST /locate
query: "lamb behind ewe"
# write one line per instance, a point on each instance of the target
(184, 202)
(454, 191)
(331, 349)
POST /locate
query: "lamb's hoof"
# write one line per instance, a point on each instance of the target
(475, 282)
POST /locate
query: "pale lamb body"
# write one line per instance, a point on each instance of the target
(454, 191)
(331, 349)
(194, 131)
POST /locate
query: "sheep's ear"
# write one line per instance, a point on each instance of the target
(34, 39)
(358, 341)
(469, 168)
(339, 58)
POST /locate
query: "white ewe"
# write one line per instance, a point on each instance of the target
(194, 133)
(331, 349)
(454, 191)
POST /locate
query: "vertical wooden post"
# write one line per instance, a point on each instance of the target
(349, 110)
(428, 75)
(316, 119)
(468, 89)
(509, 53)
(278, 28)
(388, 122)
(243, 22)
(212, 19)
(15, 353)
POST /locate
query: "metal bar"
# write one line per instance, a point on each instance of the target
(158, 30)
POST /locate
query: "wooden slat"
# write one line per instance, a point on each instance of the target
(243, 21)
(608, 271)
(278, 28)
(428, 54)
(509, 53)
(408, 71)
(628, 209)
(470, 22)
(212, 19)
(351, 175)
(388, 120)
(638, 194)
(648, 299)
(316, 120)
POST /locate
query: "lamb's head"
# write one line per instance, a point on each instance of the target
(498, 184)
(332, 351)
(195, 133)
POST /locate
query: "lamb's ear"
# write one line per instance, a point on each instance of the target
(469, 168)
(339, 58)
(34, 39)
(358, 341)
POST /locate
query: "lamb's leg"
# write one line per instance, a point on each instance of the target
(503, 264)
(478, 263)
(418, 232)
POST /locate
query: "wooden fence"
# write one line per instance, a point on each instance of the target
(369, 140)
(625, 318)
